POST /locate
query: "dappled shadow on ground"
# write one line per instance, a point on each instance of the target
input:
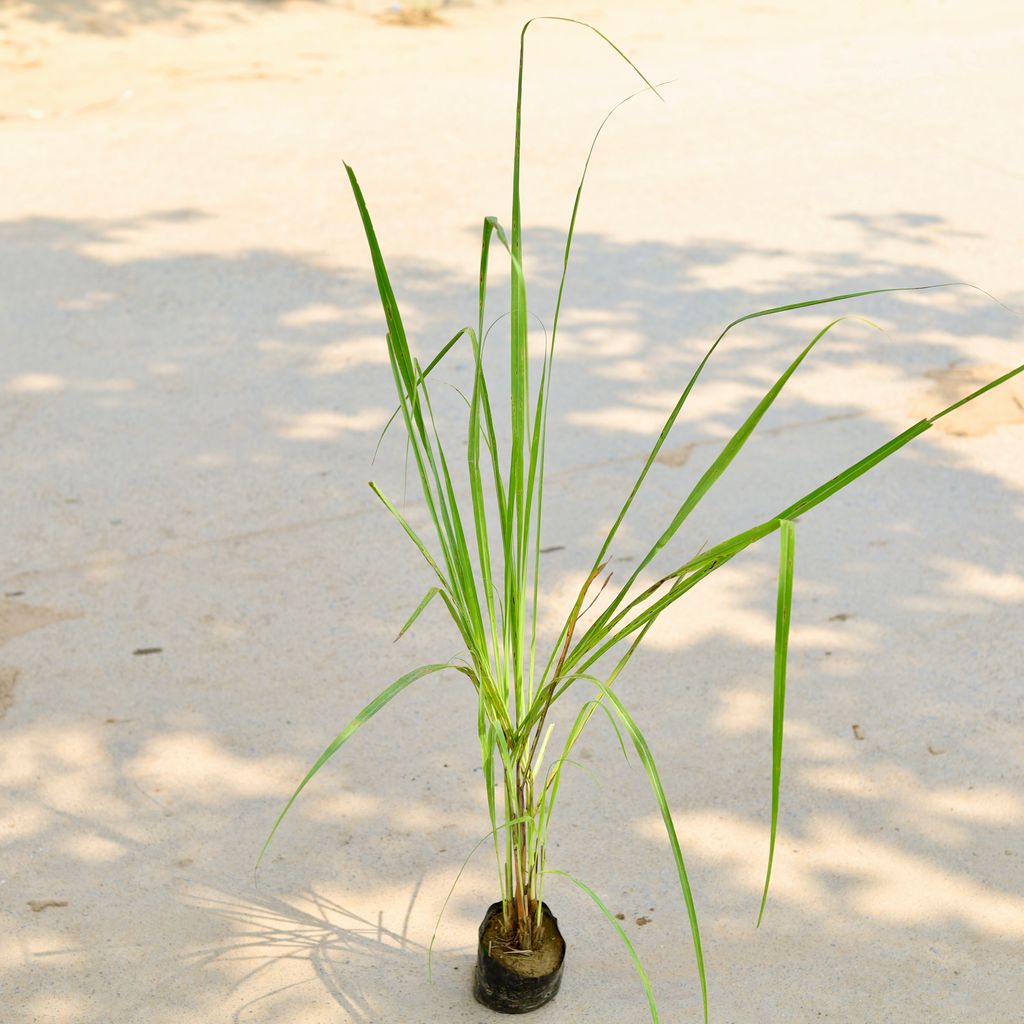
(120, 17)
(344, 951)
(184, 436)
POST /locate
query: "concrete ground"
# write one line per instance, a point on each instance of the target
(192, 377)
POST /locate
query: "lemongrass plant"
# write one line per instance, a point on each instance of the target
(484, 555)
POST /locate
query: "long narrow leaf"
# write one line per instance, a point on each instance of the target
(977, 394)
(518, 486)
(384, 697)
(677, 409)
(654, 778)
(707, 480)
(644, 980)
(445, 349)
(389, 303)
(537, 465)
(412, 535)
(783, 618)
(430, 595)
(465, 864)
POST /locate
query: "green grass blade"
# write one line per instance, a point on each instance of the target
(727, 549)
(478, 505)
(383, 698)
(491, 226)
(841, 480)
(445, 349)
(715, 557)
(408, 381)
(647, 760)
(783, 618)
(493, 704)
(518, 510)
(707, 480)
(539, 448)
(582, 767)
(851, 473)
(518, 403)
(588, 709)
(731, 450)
(392, 316)
(633, 955)
(430, 595)
(486, 737)
(553, 782)
(646, 618)
(677, 409)
(465, 864)
(412, 535)
(600, 35)
(653, 777)
(480, 403)
(462, 565)
(615, 725)
(419, 442)
(721, 553)
(976, 394)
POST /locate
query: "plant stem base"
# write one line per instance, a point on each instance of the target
(500, 988)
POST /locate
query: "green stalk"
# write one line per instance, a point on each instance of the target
(484, 559)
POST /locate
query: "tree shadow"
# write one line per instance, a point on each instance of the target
(192, 423)
(121, 17)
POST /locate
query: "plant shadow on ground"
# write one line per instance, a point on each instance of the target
(263, 375)
(345, 951)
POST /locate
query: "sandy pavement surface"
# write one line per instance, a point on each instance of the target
(197, 589)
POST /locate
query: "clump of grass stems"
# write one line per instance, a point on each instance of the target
(485, 559)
